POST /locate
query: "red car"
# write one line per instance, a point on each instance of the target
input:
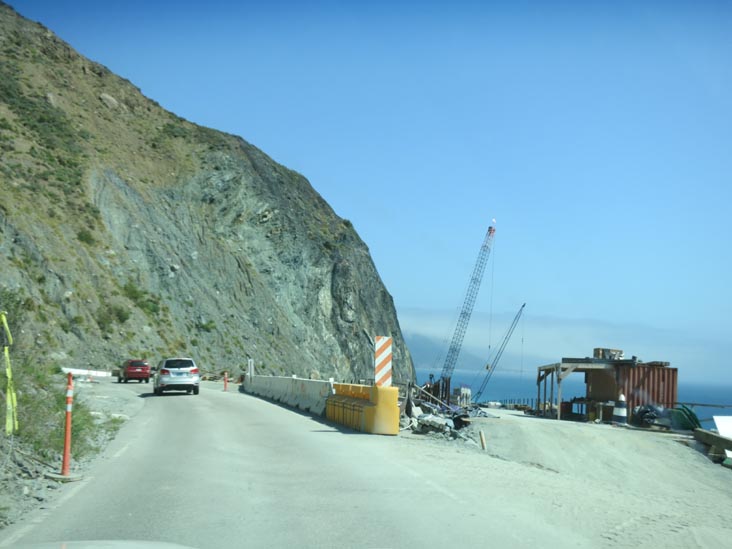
(134, 369)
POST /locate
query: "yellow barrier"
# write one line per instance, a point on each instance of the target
(354, 391)
(11, 401)
(365, 408)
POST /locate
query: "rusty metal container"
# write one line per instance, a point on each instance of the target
(644, 384)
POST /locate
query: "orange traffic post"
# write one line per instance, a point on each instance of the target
(226, 380)
(67, 435)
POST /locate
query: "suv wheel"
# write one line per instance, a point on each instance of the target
(119, 379)
(195, 390)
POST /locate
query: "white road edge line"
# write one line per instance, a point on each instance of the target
(121, 451)
(41, 516)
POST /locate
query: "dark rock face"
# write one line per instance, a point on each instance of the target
(132, 232)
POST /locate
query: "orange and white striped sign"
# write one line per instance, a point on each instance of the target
(382, 361)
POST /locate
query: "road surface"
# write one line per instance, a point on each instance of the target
(225, 469)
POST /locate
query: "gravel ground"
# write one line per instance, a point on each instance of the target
(23, 482)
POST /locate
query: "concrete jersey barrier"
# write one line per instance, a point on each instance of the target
(366, 408)
(305, 394)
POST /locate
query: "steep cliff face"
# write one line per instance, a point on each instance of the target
(131, 232)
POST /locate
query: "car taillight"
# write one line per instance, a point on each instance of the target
(194, 371)
(164, 372)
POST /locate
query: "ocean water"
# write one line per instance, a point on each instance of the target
(707, 394)
(504, 387)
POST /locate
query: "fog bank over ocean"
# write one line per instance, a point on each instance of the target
(700, 358)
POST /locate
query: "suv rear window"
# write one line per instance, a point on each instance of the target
(178, 364)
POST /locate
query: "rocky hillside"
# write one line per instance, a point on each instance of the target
(128, 231)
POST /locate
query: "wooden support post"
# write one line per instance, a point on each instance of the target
(559, 392)
(710, 438)
(543, 404)
(538, 393)
(551, 393)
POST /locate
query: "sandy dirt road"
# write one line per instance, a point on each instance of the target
(230, 470)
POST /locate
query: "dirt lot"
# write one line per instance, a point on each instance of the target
(614, 485)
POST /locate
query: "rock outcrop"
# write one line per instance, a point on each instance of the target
(129, 231)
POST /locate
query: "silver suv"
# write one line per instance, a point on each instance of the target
(177, 374)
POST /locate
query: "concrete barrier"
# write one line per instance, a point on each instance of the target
(305, 394)
(366, 408)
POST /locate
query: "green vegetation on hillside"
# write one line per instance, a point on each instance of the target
(58, 141)
(149, 303)
(40, 387)
(54, 163)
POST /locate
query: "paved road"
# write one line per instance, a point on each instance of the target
(230, 470)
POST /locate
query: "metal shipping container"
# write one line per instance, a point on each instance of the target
(647, 385)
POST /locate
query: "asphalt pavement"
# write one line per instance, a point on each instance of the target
(225, 469)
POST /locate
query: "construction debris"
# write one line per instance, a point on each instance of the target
(432, 422)
(429, 415)
(680, 419)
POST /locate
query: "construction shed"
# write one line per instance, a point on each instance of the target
(608, 374)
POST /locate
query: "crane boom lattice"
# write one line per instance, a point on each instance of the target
(491, 366)
(467, 310)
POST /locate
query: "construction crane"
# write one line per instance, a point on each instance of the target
(443, 387)
(491, 366)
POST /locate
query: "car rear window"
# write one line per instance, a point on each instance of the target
(179, 363)
(138, 363)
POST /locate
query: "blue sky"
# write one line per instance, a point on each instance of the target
(599, 135)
